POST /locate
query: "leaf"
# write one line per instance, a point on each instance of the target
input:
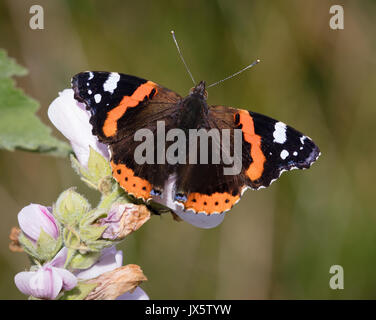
(20, 128)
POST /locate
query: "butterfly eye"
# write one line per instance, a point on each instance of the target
(237, 118)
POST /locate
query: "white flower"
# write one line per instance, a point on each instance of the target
(72, 119)
(48, 280)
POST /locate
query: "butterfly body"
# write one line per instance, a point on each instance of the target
(122, 106)
(194, 109)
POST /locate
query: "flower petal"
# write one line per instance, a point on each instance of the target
(69, 279)
(109, 260)
(200, 219)
(59, 260)
(72, 119)
(43, 284)
(137, 294)
(35, 217)
(22, 281)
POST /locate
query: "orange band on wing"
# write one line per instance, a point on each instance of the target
(216, 202)
(110, 124)
(136, 186)
(256, 168)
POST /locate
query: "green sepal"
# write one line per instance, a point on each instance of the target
(117, 195)
(84, 261)
(71, 239)
(28, 245)
(99, 245)
(70, 207)
(91, 232)
(97, 175)
(98, 165)
(82, 172)
(47, 246)
(79, 292)
(92, 216)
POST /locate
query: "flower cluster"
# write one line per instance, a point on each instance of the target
(72, 245)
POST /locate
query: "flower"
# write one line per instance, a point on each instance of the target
(115, 281)
(123, 219)
(109, 260)
(48, 280)
(72, 119)
(34, 218)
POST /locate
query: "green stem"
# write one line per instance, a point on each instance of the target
(107, 200)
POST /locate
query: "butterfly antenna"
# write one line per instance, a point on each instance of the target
(235, 74)
(181, 57)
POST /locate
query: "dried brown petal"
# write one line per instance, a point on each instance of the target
(124, 219)
(14, 244)
(114, 283)
(133, 220)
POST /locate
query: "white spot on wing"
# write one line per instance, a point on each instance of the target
(97, 98)
(302, 138)
(295, 153)
(284, 154)
(279, 133)
(111, 83)
(91, 75)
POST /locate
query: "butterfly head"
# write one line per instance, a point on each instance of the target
(199, 90)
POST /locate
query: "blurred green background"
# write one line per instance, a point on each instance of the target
(277, 243)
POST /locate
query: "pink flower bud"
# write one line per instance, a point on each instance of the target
(33, 218)
(48, 280)
(72, 119)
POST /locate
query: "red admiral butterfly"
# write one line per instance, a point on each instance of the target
(122, 104)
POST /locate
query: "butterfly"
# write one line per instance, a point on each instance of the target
(121, 105)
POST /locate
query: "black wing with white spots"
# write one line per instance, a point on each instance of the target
(284, 149)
